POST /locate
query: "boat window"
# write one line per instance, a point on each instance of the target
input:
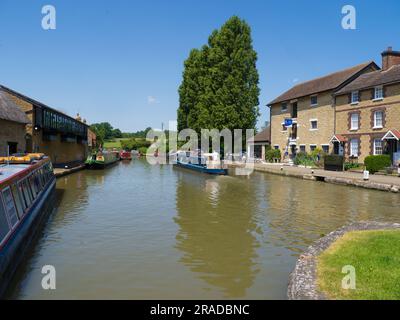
(18, 200)
(22, 196)
(30, 192)
(41, 178)
(33, 186)
(9, 205)
(37, 182)
(27, 195)
(4, 226)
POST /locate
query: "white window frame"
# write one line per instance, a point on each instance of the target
(351, 121)
(381, 142)
(303, 145)
(276, 146)
(286, 107)
(353, 94)
(313, 104)
(378, 89)
(375, 125)
(313, 146)
(311, 122)
(351, 147)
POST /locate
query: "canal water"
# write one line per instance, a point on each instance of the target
(137, 231)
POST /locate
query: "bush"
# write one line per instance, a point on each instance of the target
(135, 144)
(305, 159)
(142, 150)
(351, 165)
(272, 154)
(376, 163)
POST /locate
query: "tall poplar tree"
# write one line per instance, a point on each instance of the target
(220, 82)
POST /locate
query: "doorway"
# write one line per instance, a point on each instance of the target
(12, 147)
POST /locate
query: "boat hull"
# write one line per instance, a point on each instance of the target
(201, 169)
(23, 237)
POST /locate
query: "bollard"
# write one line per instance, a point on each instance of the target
(366, 175)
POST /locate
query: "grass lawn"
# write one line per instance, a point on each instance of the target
(375, 256)
(114, 143)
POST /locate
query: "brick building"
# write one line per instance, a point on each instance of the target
(61, 137)
(303, 118)
(368, 112)
(12, 126)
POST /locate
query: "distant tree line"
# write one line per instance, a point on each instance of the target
(105, 132)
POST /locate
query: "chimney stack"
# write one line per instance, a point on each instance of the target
(390, 58)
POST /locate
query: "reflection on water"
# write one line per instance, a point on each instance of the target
(136, 231)
(216, 232)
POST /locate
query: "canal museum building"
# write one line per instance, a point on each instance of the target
(59, 136)
(354, 112)
(12, 126)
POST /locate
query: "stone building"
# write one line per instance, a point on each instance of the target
(257, 146)
(61, 137)
(12, 126)
(368, 112)
(303, 118)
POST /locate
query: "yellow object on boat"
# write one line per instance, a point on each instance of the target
(22, 158)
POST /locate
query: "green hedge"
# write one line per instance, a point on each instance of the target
(305, 159)
(272, 154)
(135, 144)
(376, 163)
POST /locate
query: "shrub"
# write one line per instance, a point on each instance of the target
(376, 163)
(304, 159)
(272, 154)
(142, 150)
(351, 165)
(135, 144)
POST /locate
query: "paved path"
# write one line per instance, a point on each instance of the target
(379, 182)
(59, 172)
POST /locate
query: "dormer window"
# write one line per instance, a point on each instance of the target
(378, 93)
(284, 107)
(354, 97)
(314, 101)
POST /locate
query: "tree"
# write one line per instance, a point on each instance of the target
(116, 133)
(220, 82)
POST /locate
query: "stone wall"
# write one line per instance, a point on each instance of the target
(11, 132)
(324, 113)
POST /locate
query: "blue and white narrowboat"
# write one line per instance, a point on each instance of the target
(209, 163)
(27, 189)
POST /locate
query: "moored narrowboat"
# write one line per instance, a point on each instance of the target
(126, 155)
(27, 190)
(209, 163)
(101, 160)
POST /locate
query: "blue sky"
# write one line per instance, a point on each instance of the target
(121, 61)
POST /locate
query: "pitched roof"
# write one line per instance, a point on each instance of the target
(325, 83)
(372, 79)
(38, 103)
(10, 111)
(263, 136)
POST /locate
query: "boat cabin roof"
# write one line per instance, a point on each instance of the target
(7, 171)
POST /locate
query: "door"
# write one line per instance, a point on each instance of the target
(336, 147)
(12, 147)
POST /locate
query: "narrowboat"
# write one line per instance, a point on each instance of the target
(27, 192)
(209, 163)
(101, 159)
(126, 155)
